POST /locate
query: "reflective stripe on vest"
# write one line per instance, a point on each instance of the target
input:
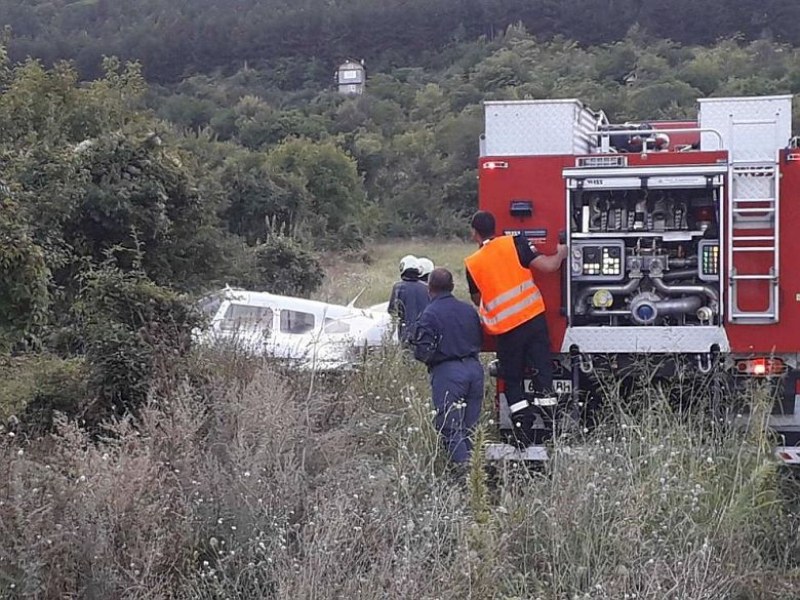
(513, 309)
(509, 296)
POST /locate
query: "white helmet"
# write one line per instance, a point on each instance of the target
(425, 266)
(409, 262)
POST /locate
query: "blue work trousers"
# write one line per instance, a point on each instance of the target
(457, 387)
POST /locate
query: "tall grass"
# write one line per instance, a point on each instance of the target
(376, 271)
(251, 483)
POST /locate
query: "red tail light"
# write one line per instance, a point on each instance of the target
(761, 367)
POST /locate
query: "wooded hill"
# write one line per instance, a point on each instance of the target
(174, 38)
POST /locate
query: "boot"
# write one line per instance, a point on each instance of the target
(522, 422)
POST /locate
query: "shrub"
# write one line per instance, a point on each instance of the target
(24, 296)
(282, 265)
(36, 385)
(133, 331)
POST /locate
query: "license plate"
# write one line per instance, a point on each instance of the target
(560, 386)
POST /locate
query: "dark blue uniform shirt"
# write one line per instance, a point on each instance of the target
(448, 329)
(409, 298)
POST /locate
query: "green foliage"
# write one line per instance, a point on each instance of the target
(137, 192)
(36, 385)
(24, 296)
(90, 172)
(132, 330)
(413, 136)
(282, 265)
(255, 198)
(302, 40)
(187, 111)
(48, 107)
(332, 188)
(259, 125)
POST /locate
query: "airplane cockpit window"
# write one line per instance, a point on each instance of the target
(243, 316)
(336, 326)
(293, 321)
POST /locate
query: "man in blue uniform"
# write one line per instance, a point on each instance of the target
(448, 339)
(408, 299)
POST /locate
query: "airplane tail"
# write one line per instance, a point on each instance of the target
(352, 303)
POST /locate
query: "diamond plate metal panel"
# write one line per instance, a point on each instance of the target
(583, 142)
(752, 128)
(664, 340)
(497, 452)
(537, 127)
(753, 184)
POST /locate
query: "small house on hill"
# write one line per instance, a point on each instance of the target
(351, 77)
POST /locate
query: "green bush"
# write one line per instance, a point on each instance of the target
(34, 387)
(282, 265)
(24, 296)
(133, 330)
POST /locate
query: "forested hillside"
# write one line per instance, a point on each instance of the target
(174, 38)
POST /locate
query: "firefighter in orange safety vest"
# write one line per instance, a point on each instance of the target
(511, 307)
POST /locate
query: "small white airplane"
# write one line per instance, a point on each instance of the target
(382, 307)
(307, 333)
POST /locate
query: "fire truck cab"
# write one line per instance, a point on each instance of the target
(676, 250)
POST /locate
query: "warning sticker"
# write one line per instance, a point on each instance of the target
(528, 233)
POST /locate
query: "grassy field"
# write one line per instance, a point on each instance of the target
(250, 483)
(241, 480)
(378, 270)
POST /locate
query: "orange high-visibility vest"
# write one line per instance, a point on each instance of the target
(509, 297)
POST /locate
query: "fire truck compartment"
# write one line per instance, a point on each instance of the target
(641, 254)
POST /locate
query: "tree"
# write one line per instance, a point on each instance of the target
(255, 197)
(24, 295)
(335, 191)
(132, 329)
(282, 265)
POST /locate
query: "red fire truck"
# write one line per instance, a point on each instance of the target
(676, 248)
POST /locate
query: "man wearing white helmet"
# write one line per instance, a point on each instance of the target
(409, 297)
(425, 268)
